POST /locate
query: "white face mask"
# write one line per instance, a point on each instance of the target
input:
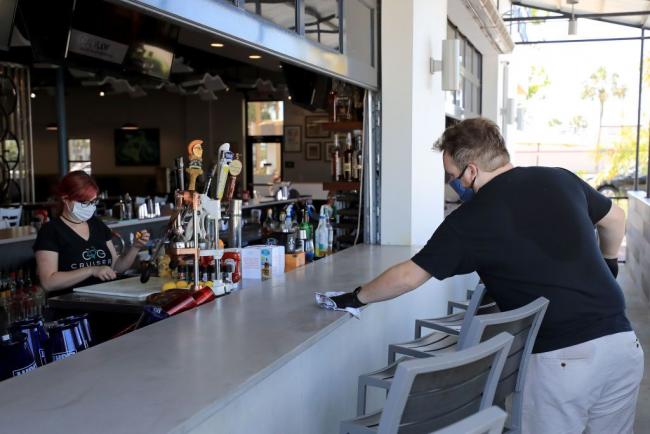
(82, 212)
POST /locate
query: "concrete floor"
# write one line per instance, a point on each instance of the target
(638, 311)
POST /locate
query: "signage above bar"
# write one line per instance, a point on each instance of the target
(97, 47)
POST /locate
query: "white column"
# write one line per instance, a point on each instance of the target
(412, 184)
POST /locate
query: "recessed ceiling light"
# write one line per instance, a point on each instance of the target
(280, 66)
(129, 127)
(101, 93)
(289, 97)
(216, 45)
(254, 56)
(32, 95)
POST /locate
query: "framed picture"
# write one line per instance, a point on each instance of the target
(328, 149)
(314, 127)
(137, 147)
(312, 151)
(292, 138)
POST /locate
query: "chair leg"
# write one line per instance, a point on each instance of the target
(361, 399)
(418, 329)
(516, 412)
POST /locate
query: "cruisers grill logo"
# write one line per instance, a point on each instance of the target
(93, 257)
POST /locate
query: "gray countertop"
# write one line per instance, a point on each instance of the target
(176, 373)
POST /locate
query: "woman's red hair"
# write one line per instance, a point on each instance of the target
(77, 186)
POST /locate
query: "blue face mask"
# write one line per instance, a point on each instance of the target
(465, 194)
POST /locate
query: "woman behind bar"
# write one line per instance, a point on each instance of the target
(76, 248)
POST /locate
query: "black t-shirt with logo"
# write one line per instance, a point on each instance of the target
(529, 233)
(75, 252)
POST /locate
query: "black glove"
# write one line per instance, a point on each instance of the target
(613, 265)
(349, 299)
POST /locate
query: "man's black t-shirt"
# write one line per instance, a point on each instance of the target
(529, 233)
(75, 252)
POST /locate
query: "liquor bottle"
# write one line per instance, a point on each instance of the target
(330, 237)
(320, 249)
(354, 163)
(359, 165)
(347, 159)
(336, 160)
(306, 226)
(268, 225)
(309, 250)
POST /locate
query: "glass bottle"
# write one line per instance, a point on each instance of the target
(336, 160)
(347, 159)
(330, 237)
(309, 250)
(359, 164)
(267, 226)
(320, 243)
(305, 225)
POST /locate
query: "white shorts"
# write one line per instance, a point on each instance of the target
(591, 387)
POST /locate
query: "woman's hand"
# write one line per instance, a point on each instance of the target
(104, 273)
(141, 239)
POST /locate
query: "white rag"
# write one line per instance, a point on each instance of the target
(325, 301)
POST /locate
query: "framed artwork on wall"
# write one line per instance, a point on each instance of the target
(314, 127)
(292, 138)
(312, 151)
(137, 147)
(329, 150)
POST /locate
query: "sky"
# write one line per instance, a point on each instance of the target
(569, 66)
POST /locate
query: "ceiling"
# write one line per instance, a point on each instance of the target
(613, 11)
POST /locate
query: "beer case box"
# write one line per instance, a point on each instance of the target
(256, 258)
(293, 261)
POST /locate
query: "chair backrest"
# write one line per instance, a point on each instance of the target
(434, 392)
(475, 308)
(488, 421)
(11, 215)
(522, 323)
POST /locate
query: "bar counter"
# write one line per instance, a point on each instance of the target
(263, 359)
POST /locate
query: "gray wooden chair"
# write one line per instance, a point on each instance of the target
(432, 393)
(488, 421)
(455, 322)
(522, 323)
(436, 342)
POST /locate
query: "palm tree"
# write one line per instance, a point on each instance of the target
(601, 86)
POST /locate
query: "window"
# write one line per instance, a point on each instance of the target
(467, 101)
(322, 22)
(265, 129)
(265, 118)
(282, 13)
(79, 155)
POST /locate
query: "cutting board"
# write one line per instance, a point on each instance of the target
(130, 288)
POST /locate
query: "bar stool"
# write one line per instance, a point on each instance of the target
(428, 394)
(523, 323)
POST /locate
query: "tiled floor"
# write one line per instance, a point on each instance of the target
(638, 311)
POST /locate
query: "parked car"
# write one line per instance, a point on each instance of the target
(619, 185)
